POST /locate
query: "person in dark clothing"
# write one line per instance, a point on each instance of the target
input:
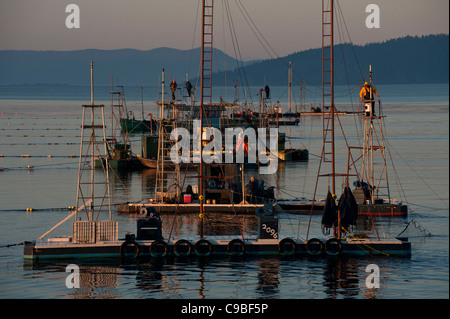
(173, 88)
(251, 189)
(188, 87)
(267, 92)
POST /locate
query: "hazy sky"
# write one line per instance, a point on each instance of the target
(287, 25)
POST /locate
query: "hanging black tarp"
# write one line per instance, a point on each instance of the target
(348, 208)
(330, 215)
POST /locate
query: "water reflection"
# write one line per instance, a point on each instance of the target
(99, 282)
(268, 277)
(341, 277)
(222, 277)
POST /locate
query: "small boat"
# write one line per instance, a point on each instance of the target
(128, 122)
(290, 154)
(133, 126)
(147, 162)
(120, 156)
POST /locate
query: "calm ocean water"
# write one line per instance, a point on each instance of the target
(46, 121)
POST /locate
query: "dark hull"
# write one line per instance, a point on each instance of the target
(382, 210)
(121, 164)
(137, 126)
(294, 155)
(255, 122)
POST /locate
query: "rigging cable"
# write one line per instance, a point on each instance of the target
(275, 57)
(193, 37)
(421, 178)
(236, 49)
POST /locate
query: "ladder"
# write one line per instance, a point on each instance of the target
(328, 107)
(205, 90)
(164, 165)
(206, 57)
(167, 172)
(374, 168)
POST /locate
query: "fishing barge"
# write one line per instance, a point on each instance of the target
(215, 246)
(148, 242)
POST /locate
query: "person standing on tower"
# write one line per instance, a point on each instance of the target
(173, 89)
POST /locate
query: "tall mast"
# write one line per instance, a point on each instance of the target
(290, 86)
(89, 154)
(142, 103)
(374, 167)
(328, 106)
(91, 211)
(205, 86)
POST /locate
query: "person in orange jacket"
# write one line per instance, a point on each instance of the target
(364, 94)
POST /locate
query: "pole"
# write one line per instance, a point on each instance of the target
(290, 86)
(142, 104)
(91, 210)
(161, 108)
(332, 96)
(112, 111)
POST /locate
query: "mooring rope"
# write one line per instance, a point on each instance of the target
(11, 245)
(362, 243)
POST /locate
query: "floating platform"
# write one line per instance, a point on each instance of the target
(215, 246)
(339, 113)
(292, 207)
(190, 208)
(307, 207)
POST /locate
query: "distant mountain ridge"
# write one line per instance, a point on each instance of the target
(403, 60)
(132, 67)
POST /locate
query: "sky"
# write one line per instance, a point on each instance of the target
(287, 26)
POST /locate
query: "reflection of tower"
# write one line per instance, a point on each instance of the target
(268, 277)
(341, 278)
(97, 282)
(150, 278)
(148, 182)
